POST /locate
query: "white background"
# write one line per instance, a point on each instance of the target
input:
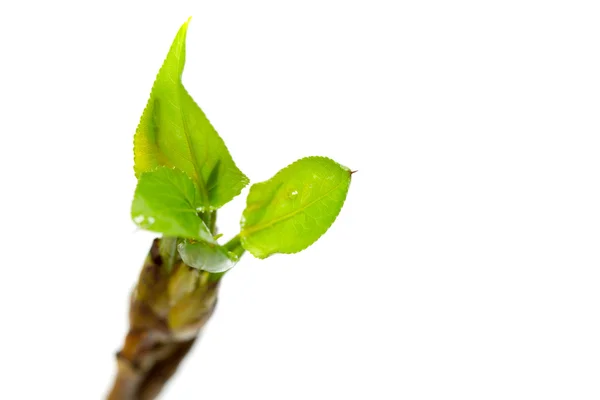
(464, 265)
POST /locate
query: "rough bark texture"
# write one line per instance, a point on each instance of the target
(169, 306)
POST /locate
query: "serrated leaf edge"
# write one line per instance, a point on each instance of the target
(243, 220)
(244, 181)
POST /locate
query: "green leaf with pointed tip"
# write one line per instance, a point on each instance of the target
(290, 211)
(166, 201)
(206, 256)
(175, 132)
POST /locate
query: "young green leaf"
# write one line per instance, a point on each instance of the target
(174, 132)
(166, 201)
(206, 256)
(290, 211)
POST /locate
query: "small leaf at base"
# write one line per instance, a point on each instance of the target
(205, 256)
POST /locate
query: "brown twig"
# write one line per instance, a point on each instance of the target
(168, 309)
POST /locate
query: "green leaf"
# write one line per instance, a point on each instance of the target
(166, 201)
(290, 211)
(174, 132)
(206, 256)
